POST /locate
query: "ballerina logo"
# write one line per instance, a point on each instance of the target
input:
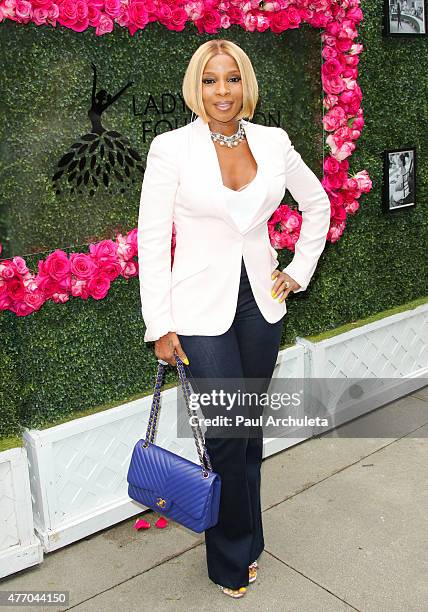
(99, 156)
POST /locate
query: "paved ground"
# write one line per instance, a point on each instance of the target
(346, 528)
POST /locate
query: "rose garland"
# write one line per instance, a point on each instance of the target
(89, 275)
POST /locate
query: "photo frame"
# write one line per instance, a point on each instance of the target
(399, 180)
(405, 18)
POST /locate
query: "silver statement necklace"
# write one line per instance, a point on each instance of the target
(229, 141)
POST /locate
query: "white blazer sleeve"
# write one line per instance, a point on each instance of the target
(154, 235)
(314, 204)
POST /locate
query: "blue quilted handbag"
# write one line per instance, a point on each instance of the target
(175, 487)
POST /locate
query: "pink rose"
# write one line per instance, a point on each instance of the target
(79, 288)
(110, 268)
(333, 85)
(343, 43)
(342, 134)
(132, 238)
(352, 207)
(178, 19)
(15, 289)
(125, 251)
(74, 15)
(53, 14)
(34, 299)
(94, 16)
(331, 165)
(99, 285)
(81, 265)
(46, 284)
(129, 269)
(20, 264)
(294, 18)
(112, 8)
(104, 25)
(338, 210)
(352, 61)
(225, 22)
(364, 181)
(60, 298)
(41, 4)
(293, 222)
(318, 19)
(7, 269)
(331, 68)
(56, 265)
(329, 52)
(279, 22)
(328, 40)
(335, 180)
(350, 99)
(21, 309)
(164, 13)
(354, 14)
(5, 301)
(23, 11)
(105, 248)
(356, 49)
(40, 16)
(262, 22)
(335, 232)
(349, 75)
(335, 118)
(340, 152)
(330, 101)
(209, 23)
(138, 16)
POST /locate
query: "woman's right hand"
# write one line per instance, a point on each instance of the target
(166, 346)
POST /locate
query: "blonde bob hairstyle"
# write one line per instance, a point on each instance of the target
(192, 82)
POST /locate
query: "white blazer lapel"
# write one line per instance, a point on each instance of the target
(207, 155)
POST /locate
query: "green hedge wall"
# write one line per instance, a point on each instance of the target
(79, 356)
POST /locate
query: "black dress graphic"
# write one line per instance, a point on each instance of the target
(99, 156)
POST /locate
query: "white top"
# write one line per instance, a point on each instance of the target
(244, 202)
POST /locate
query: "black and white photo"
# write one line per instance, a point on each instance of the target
(399, 178)
(405, 17)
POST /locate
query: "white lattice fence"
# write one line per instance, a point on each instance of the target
(379, 362)
(19, 547)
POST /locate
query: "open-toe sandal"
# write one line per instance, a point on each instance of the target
(252, 571)
(235, 593)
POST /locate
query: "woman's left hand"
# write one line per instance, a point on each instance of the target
(279, 290)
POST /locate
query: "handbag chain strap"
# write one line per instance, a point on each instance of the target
(154, 413)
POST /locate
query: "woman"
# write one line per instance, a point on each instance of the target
(221, 307)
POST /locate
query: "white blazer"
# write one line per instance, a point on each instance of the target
(183, 184)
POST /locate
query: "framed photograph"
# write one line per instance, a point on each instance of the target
(399, 180)
(405, 17)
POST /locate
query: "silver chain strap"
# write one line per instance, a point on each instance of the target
(198, 436)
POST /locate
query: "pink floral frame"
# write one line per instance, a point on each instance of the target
(84, 275)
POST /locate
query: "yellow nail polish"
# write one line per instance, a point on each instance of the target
(186, 361)
(273, 293)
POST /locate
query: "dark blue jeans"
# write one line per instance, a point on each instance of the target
(249, 349)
